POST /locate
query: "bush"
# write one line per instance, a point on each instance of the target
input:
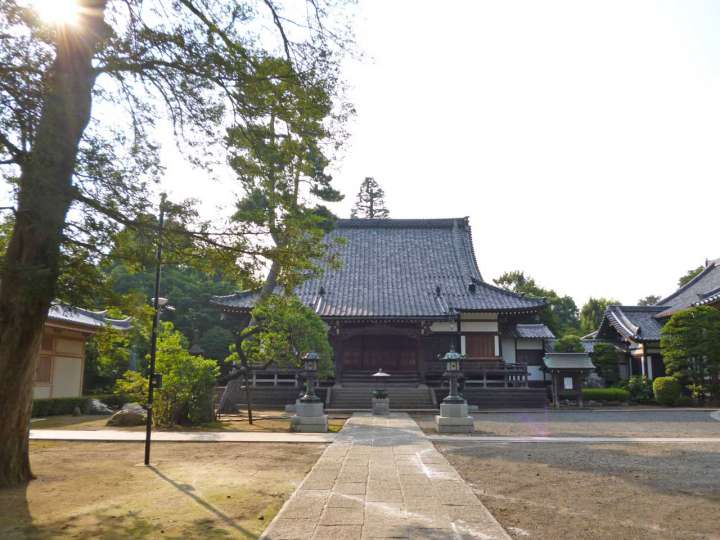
(188, 387)
(605, 394)
(57, 406)
(683, 401)
(667, 390)
(640, 388)
(569, 343)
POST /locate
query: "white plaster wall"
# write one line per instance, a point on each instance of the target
(530, 344)
(508, 350)
(69, 346)
(443, 326)
(479, 326)
(41, 392)
(67, 377)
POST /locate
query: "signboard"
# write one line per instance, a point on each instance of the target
(567, 383)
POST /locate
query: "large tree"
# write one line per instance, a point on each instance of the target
(689, 276)
(562, 313)
(592, 313)
(370, 201)
(80, 102)
(649, 300)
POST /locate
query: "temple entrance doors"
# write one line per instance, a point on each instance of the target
(392, 353)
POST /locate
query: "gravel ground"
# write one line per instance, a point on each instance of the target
(641, 423)
(598, 491)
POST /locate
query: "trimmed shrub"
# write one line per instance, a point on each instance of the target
(683, 401)
(640, 388)
(667, 390)
(57, 406)
(605, 394)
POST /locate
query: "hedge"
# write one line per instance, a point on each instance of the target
(57, 406)
(60, 406)
(605, 394)
(667, 390)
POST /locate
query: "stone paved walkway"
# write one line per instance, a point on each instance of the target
(179, 436)
(383, 478)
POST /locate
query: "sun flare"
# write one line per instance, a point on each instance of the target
(57, 12)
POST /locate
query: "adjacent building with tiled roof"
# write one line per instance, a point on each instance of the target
(61, 362)
(638, 328)
(406, 289)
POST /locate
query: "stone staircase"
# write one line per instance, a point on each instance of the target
(355, 396)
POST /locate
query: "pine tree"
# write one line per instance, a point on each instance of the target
(370, 202)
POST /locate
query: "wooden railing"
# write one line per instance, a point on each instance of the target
(492, 371)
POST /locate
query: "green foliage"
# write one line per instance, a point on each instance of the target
(187, 392)
(667, 390)
(57, 406)
(605, 394)
(561, 316)
(134, 386)
(568, 344)
(216, 343)
(592, 313)
(640, 388)
(649, 300)
(606, 357)
(690, 344)
(370, 202)
(689, 275)
(286, 330)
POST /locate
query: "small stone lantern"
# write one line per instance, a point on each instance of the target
(454, 417)
(452, 360)
(310, 365)
(309, 411)
(380, 399)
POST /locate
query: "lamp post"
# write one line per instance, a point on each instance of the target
(453, 361)
(158, 305)
(310, 365)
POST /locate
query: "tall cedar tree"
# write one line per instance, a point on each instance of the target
(370, 202)
(79, 103)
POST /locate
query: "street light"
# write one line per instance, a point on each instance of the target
(159, 304)
(453, 361)
(310, 365)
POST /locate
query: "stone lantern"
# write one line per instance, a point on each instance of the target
(309, 411)
(380, 399)
(454, 417)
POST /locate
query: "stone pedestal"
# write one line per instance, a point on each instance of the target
(454, 418)
(309, 417)
(380, 406)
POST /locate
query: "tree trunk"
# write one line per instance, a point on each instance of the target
(31, 266)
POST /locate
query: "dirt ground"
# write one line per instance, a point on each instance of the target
(193, 490)
(592, 423)
(596, 491)
(263, 421)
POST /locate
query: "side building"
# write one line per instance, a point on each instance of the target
(636, 329)
(406, 292)
(61, 361)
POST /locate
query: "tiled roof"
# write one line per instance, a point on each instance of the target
(703, 286)
(401, 268)
(568, 361)
(65, 314)
(639, 323)
(533, 331)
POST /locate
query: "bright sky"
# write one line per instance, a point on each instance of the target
(582, 138)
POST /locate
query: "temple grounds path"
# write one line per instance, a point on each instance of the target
(90, 490)
(382, 478)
